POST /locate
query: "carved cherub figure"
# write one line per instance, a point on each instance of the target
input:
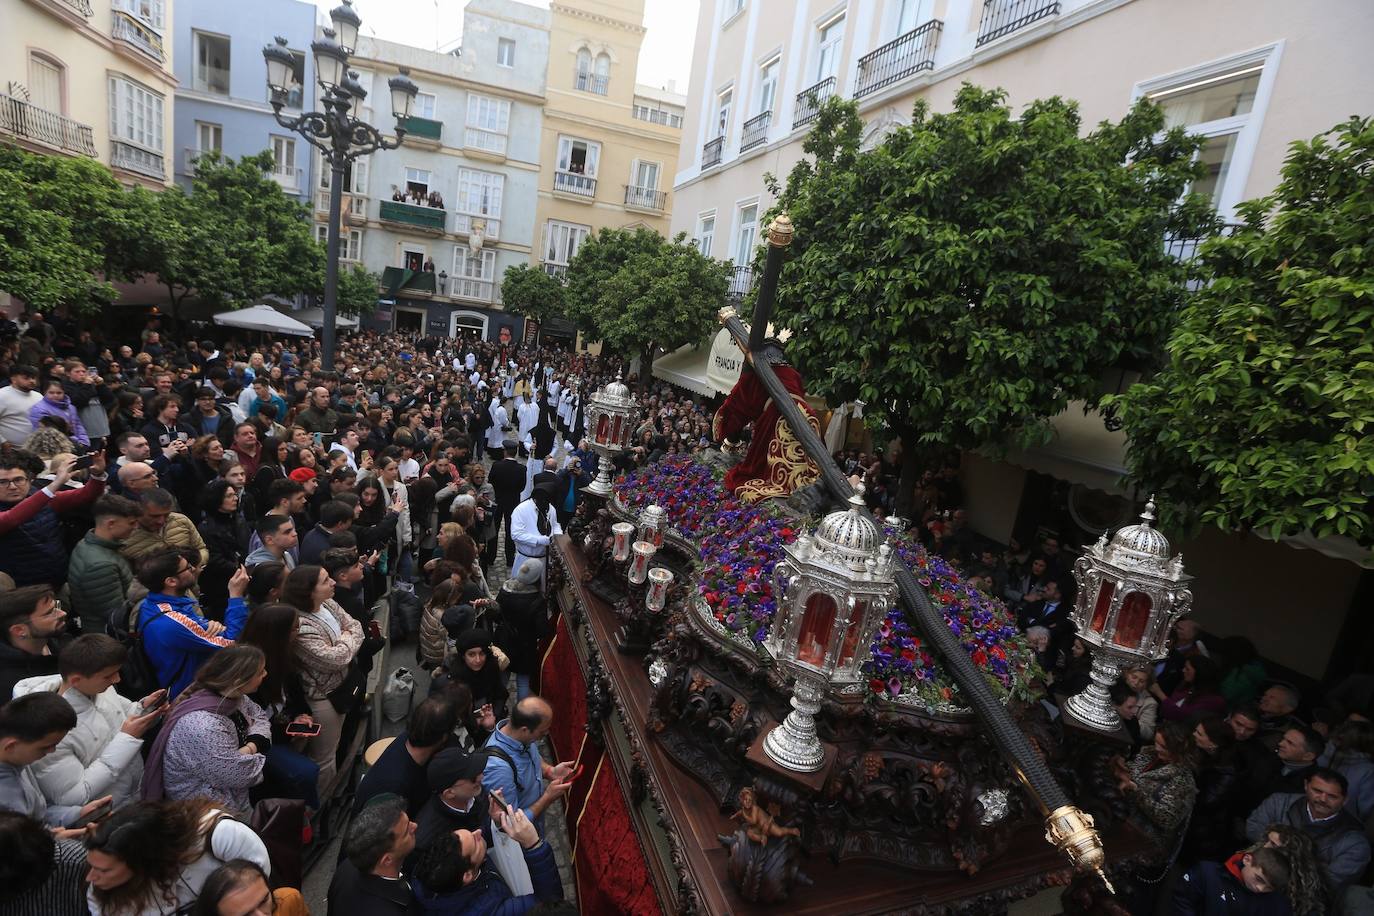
(759, 825)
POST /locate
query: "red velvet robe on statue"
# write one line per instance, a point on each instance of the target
(775, 464)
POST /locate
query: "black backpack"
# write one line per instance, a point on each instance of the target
(138, 676)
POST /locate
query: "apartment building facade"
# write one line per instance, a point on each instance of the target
(443, 216)
(222, 97)
(91, 78)
(610, 146)
(1251, 76)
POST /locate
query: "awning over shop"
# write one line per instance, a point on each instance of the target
(266, 319)
(702, 370)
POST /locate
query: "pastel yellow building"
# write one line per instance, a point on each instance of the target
(84, 78)
(609, 146)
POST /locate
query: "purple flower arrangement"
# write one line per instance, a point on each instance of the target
(741, 543)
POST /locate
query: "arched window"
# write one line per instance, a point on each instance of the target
(46, 76)
(603, 65)
(584, 61)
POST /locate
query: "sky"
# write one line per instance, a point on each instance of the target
(666, 55)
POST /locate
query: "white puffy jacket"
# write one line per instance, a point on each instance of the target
(95, 759)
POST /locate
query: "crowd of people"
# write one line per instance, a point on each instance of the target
(194, 541)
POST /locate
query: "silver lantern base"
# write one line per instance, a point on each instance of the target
(1093, 707)
(601, 486)
(793, 745)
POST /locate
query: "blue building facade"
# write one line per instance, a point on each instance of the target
(222, 98)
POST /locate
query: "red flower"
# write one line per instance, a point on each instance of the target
(877, 686)
(998, 652)
(980, 658)
(742, 587)
(787, 532)
(909, 654)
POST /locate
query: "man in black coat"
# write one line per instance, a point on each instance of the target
(369, 881)
(35, 630)
(507, 478)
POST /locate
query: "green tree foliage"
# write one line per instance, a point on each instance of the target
(976, 271)
(357, 290)
(235, 238)
(639, 292)
(65, 225)
(531, 292)
(1263, 417)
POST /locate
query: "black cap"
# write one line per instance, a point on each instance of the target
(453, 764)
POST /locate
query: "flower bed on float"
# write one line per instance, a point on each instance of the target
(739, 544)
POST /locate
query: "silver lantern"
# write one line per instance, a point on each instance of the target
(1130, 594)
(611, 420)
(834, 588)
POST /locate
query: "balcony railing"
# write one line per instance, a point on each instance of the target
(755, 131)
(131, 31)
(431, 219)
(465, 223)
(557, 271)
(136, 159)
(657, 116)
(212, 80)
(468, 288)
(810, 100)
(589, 82)
(574, 183)
(1185, 249)
(645, 198)
(1002, 17)
(25, 121)
(424, 128)
(80, 7)
(355, 205)
(712, 152)
(908, 54)
(741, 281)
(488, 141)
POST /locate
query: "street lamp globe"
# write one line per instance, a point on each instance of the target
(280, 67)
(355, 89)
(346, 24)
(403, 92)
(331, 61)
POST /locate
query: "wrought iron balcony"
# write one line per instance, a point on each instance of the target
(899, 58)
(136, 159)
(403, 279)
(26, 121)
(645, 198)
(741, 281)
(81, 7)
(1002, 17)
(755, 131)
(424, 128)
(133, 32)
(712, 152)
(430, 219)
(589, 82)
(574, 183)
(810, 100)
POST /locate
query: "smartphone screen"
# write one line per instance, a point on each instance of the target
(99, 813)
(301, 730)
(82, 463)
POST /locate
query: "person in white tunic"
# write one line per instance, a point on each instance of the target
(533, 524)
(499, 421)
(527, 413)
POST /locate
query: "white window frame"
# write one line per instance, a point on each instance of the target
(425, 106)
(706, 237)
(906, 17)
(42, 59)
(1246, 127)
(427, 180)
(768, 86)
(634, 174)
(487, 186)
(487, 123)
(838, 18)
(562, 239)
(284, 164)
(152, 13)
(409, 248)
(464, 283)
(505, 52)
(140, 128)
(725, 101)
(197, 35)
(738, 232)
(731, 9)
(216, 133)
(350, 242)
(592, 160)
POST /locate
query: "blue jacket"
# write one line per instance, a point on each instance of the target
(489, 895)
(177, 639)
(1209, 889)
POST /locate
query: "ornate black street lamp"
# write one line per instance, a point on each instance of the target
(337, 131)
